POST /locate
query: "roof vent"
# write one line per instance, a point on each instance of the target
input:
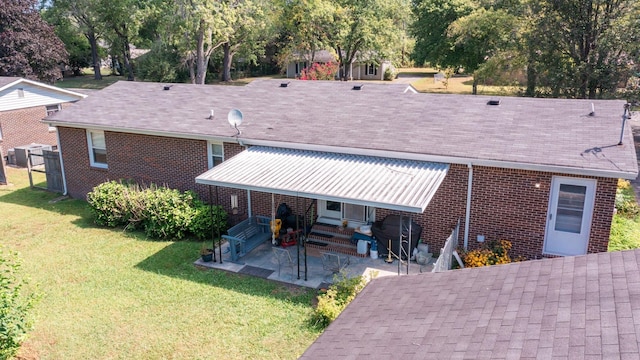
(284, 84)
(167, 87)
(493, 102)
(357, 87)
(593, 110)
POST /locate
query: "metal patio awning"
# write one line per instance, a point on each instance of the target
(405, 185)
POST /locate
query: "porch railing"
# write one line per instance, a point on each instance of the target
(445, 259)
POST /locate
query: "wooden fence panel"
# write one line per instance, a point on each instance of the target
(53, 171)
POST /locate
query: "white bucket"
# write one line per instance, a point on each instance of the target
(362, 246)
(374, 254)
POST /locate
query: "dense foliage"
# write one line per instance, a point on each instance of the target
(626, 204)
(15, 305)
(574, 48)
(492, 252)
(28, 45)
(161, 212)
(336, 298)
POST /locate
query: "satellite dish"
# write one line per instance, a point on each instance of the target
(235, 118)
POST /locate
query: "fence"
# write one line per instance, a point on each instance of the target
(445, 259)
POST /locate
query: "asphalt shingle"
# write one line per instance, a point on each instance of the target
(484, 313)
(449, 128)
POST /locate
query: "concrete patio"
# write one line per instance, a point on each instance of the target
(261, 262)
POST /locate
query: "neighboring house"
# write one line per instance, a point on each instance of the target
(360, 70)
(582, 307)
(541, 173)
(23, 104)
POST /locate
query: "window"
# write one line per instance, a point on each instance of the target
(371, 69)
(97, 148)
(216, 154)
(52, 109)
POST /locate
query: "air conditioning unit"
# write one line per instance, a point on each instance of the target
(22, 154)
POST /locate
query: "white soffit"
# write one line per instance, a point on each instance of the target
(405, 185)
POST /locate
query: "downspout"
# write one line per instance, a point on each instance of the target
(64, 177)
(467, 217)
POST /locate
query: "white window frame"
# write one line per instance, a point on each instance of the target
(90, 146)
(369, 67)
(50, 111)
(211, 155)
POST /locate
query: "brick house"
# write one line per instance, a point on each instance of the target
(23, 104)
(539, 172)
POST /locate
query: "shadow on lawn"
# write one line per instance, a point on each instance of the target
(176, 260)
(44, 200)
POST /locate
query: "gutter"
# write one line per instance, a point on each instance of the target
(467, 217)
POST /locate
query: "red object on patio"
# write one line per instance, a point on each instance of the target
(289, 239)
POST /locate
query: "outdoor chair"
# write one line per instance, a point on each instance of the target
(334, 262)
(284, 259)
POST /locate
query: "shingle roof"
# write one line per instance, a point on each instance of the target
(6, 80)
(564, 308)
(457, 128)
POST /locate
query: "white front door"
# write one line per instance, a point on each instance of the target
(333, 212)
(330, 212)
(569, 216)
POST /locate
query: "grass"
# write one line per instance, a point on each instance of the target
(115, 295)
(625, 230)
(87, 82)
(461, 85)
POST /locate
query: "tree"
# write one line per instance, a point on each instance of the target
(247, 25)
(28, 45)
(85, 16)
(304, 26)
(364, 30)
(74, 41)
(121, 18)
(433, 18)
(480, 38)
(588, 46)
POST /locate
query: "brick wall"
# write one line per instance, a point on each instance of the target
(144, 159)
(23, 127)
(506, 204)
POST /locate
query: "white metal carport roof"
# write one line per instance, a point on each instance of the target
(397, 184)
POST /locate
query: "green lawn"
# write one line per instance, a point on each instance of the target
(625, 230)
(115, 295)
(87, 82)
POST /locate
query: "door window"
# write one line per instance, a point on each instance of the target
(570, 208)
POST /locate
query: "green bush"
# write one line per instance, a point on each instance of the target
(109, 203)
(163, 213)
(389, 74)
(626, 204)
(337, 297)
(15, 306)
(203, 225)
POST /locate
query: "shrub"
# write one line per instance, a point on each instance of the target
(491, 253)
(203, 225)
(389, 74)
(319, 71)
(15, 306)
(336, 298)
(109, 204)
(167, 213)
(163, 213)
(626, 204)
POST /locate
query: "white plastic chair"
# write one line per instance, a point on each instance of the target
(284, 259)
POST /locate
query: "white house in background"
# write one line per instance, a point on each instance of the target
(360, 70)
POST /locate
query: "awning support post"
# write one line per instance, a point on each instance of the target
(219, 240)
(213, 235)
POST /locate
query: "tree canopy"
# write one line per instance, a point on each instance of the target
(28, 45)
